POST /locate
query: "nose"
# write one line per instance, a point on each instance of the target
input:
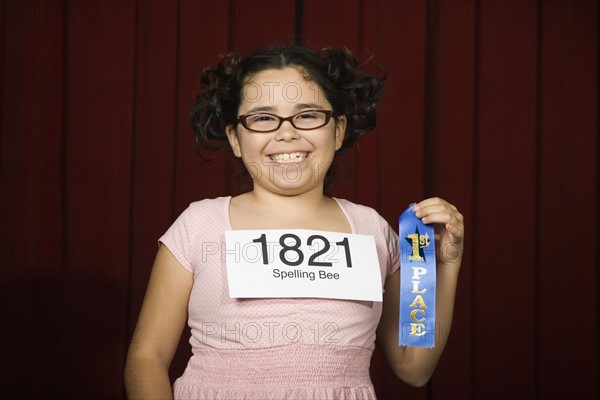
(286, 132)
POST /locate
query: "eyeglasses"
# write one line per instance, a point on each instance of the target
(305, 120)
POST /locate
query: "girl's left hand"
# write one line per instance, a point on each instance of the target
(449, 229)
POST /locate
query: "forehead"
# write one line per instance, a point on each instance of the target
(280, 87)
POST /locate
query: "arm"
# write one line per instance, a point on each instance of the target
(412, 364)
(159, 327)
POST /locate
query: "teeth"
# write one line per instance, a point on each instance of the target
(289, 157)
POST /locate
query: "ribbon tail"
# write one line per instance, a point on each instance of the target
(417, 282)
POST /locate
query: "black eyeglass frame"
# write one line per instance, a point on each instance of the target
(328, 114)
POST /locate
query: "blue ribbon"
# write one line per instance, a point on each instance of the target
(417, 281)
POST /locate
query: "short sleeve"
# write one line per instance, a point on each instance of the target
(178, 240)
(393, 248)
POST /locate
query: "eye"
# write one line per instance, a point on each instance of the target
(308, 115)
(260, 118)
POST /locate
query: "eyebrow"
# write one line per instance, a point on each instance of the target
(299, 106)
(309, 105)
(259, 109)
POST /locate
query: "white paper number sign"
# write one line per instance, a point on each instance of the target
(302, 263)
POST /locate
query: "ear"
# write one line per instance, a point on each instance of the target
(340, 131)
(234, 140)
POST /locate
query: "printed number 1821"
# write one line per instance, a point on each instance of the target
(295, 248)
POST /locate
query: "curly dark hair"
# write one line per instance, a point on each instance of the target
(335, 70)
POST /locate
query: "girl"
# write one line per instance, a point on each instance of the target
(285, 111)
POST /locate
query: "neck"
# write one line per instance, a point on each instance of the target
(301, 202)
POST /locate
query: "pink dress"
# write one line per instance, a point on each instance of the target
(273, 348)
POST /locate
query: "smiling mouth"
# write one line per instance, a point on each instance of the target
(288, 158)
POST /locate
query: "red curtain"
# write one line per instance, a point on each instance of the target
(492, 105)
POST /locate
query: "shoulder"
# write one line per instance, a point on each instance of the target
(208, 208)
(209, 204)
(362, 217)
(355, 208)
(367, 221)
(204, 213)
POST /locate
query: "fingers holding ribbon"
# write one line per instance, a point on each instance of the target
(449, 228)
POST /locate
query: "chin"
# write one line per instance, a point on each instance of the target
(291, 188)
